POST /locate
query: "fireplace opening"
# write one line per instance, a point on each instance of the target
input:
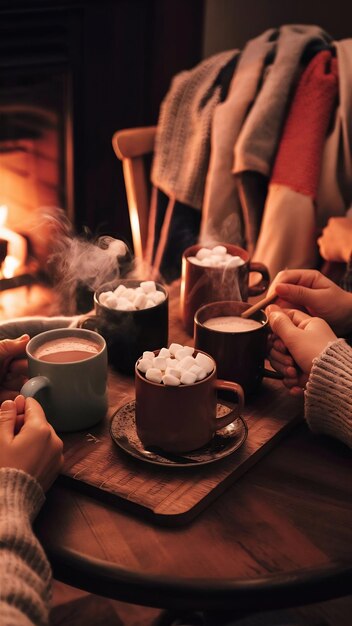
(36, 157)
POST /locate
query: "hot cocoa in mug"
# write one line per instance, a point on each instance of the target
(222, 275)
(66, 350)
(68, 377)
(238, 345)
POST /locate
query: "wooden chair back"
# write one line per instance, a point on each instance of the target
(132, 146)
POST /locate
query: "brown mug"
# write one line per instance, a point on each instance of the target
(129, 333)
(239, 355)
(182, 418)
(201, 284)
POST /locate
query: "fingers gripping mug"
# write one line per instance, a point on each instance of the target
(201, 284)
(182, 418)
(68, 377)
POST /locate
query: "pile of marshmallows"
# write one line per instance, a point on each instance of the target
(216, 257)
(132, 299)
(175, 365)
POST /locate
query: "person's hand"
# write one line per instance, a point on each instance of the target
(297, 339)
(28, 442)
(309, 290)
(335, 242)
(13, 368)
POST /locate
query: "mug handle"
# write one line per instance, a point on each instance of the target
(227, 385)
(33, 385)
(91, 322)
(256, 290)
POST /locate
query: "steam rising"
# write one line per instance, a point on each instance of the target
(75, 261)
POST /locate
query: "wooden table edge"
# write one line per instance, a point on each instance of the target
(272, 591)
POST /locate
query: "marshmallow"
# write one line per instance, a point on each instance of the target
(164, 352)
(144, 364)
(188, 378)
(184, 351)
(205, 362)
(157, 296)
(120, 289)
(193, 259)
(186, 363)
(216, 260)
(236, 261)
(111, 301)
(154, 375)
(173, 347)
(130, 294)
(168, 379)
(159, 362)
(220, 250)
(124, 304)
(216, 257)
(172, 371)
(148, 286)
(203, 253)
(201, 374)
(198, 371)
(105, 296)
(149, 303)
(140, 300)
(148, 354)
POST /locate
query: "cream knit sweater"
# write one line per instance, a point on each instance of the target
(25, 574)
(328, 396)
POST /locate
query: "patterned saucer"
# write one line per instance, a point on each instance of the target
(225, 441)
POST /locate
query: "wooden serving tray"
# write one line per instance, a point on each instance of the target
(169, 495)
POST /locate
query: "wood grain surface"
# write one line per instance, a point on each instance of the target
(95, 464)
(290, 511)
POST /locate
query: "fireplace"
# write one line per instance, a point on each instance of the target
(69, 79)
(36, 149)
(36, 157)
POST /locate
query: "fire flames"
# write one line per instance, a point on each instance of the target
(16, 247)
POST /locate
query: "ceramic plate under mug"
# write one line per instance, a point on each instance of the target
(225, 441)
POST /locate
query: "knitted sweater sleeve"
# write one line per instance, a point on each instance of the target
(25, 574)
(328, 396)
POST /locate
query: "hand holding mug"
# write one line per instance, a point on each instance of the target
(28, 442)
(304, 337)
(317, 295)
(68, 376)
(13, 368)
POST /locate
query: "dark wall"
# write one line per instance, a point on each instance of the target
(230, 23)
(126, 53)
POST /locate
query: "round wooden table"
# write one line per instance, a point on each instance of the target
(279, 536)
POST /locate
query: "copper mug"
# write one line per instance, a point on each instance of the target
(182, 418)
(201, 284)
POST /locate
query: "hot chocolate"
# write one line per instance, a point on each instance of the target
(232, 324)
(66, 350)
